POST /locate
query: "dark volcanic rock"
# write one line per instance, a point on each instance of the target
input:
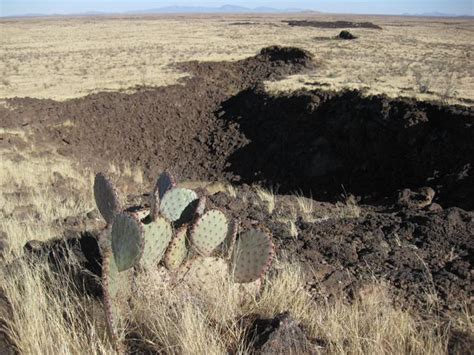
(418, 252)
(280, 335)
(333, 24)
(346, 35)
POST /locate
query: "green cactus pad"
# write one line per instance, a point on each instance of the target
(206, 272)
(231, 236)
(177, 251)
(106, 198)
(252, 256)
(127, 241)
(201, 206)
(154, 205)
(157, 235)
(209, 231)
(179, 204)
(117, 288)
(165, 182)
(210, 276)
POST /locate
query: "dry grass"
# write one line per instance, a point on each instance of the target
(50, 317)
(267, 198)
(32, 201)
(349, 208)
(63, 58)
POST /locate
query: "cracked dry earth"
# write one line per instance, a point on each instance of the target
(408, 164)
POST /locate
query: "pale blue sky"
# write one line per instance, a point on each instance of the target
(18, 7)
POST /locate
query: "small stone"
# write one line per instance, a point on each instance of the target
(434, 207)
(418, 199)
(280, 335)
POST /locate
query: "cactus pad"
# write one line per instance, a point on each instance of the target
(117, 290)
(204, 272)
(157, 235)
(231, 236)
(252, 256)
(177, 251)
(154, 204)
(106, 197)
(127, 241)
(165, 182)
(209, 232)
(201, 206)
(179, 204)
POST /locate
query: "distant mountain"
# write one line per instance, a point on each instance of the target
(436, 14)
(225, 9)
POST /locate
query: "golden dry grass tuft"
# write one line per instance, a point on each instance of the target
(49, 316)
(267, 198)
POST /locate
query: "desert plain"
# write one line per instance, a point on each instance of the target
(355, 156)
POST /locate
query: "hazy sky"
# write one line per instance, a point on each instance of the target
(16, 7)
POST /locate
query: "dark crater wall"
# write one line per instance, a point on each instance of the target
(220, 125)
(373, 146)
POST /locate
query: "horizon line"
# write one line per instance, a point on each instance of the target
(203, 10)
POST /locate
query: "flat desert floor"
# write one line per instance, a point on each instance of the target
(61, 58)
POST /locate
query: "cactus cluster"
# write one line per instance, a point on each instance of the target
(177, 232)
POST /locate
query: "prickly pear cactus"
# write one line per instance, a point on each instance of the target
(201, 206)
(179, 205)
(210, 274)
(106, 197)
(105, 240)
(154, 205)
(177, 251)
(165, 182)
(206, 272)
(157, 235)
(127, 241)
(230, 238)
(208, 232)
(252, 256)
(117, 288)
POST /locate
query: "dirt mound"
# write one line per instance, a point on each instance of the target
(222, 125)
(332, 24)
(159, 128)
(287, 55)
